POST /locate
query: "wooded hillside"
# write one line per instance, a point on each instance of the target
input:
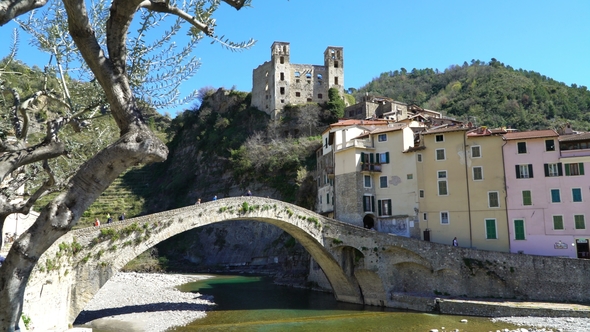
(492, 94)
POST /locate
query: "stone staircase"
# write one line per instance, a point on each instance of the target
(125, 194)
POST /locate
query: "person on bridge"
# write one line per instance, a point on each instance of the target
(248, 193)
(215, 197)
(198, 201)
(455, 242)
(96, 222)
(122, 217)
(109, 219)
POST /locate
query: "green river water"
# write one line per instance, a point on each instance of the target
(247, 303)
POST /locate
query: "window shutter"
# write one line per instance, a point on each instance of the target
(379, 207)
(581, 166)
(517, 171)
(365, 203)
(567, 169)
(362, 157)
(546, 167)
(372, 204)
(387, 157)
(530, 170)
(560, 169)
(519, 229)
(371, 160)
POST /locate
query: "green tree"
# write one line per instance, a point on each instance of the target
(335, 103)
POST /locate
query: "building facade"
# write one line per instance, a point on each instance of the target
(278, 82)
(549, 191)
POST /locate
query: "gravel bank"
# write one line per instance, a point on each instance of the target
(541, 324)
(144, 302)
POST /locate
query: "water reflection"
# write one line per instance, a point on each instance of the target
(256, 304)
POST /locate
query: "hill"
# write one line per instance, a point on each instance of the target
(492, 94)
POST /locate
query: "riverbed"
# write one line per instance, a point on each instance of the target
(151, 302)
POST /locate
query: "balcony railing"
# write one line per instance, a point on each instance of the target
(367, 167)
(357, 143)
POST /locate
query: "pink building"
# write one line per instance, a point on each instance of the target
(547, 193)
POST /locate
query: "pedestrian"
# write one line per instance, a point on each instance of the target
(96, 222)
(122, 216)
(455, 243)
(109, 219)
(249, 193)
(198, 201)
(215, 197)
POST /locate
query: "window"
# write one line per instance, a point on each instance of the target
(519, 229)
(549, 145)
(555, 196)
(421, 193)
(576, 194)
(382, 158)
(282, 60)
(297, 74)
(442, 183)
(574, 169)
(282, 90)
(297, 94)
(308, 76)
(524, 171)
(383, 182)
(493, 199)
(367, 181)
(554, 169)
(444, 217)
(491, 229)
(368, 203)
(579, 221)
(521, 147)
(477, 173)
(326, 143)
(439, 138)
(336, 80)
(440, 154)
(425, 216)
(282, 76)
(335, 64)
(320, 96)
(384, 207)
(382, 137)
(419, 157)
(526, 197)
(319, 76)
(328, 198)
(409, 176)
(476, 151)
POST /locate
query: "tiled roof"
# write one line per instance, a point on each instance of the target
(530, 134)
(574, 137)
(445, 130)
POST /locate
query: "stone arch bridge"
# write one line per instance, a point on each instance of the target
(359, 265)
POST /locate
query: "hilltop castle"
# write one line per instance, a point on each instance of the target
(278, 82)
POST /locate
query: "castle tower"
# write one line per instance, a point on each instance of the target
(334, 63)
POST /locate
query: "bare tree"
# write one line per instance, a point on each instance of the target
(107, 59)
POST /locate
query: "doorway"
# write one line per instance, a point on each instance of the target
(583, 248)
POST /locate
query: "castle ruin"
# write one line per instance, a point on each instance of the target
(278, 82)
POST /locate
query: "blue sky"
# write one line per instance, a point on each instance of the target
(549, 37)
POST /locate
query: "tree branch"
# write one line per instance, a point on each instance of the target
(9, 9)
(164, 7)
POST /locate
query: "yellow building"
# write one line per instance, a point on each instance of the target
(461, 188)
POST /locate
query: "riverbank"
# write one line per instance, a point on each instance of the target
(137, 302)
(144, 302)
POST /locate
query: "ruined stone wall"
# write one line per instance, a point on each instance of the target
(261, 80)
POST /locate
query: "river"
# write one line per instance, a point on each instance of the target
(249, 303)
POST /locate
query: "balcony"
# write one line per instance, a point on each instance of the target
(368, 167)
(357, 143)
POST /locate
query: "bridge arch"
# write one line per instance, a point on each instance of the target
(83, 260)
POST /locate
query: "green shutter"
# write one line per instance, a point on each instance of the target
(491, 229)
(526, 197)
(546, 167)
(371, 158)
(581, 166)
(517, 171)
(365, 203)
(567, 169)
(387, 157)
(362, 157)
(560, 169)
(519, 229)
(531, 171)
(379, 207)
